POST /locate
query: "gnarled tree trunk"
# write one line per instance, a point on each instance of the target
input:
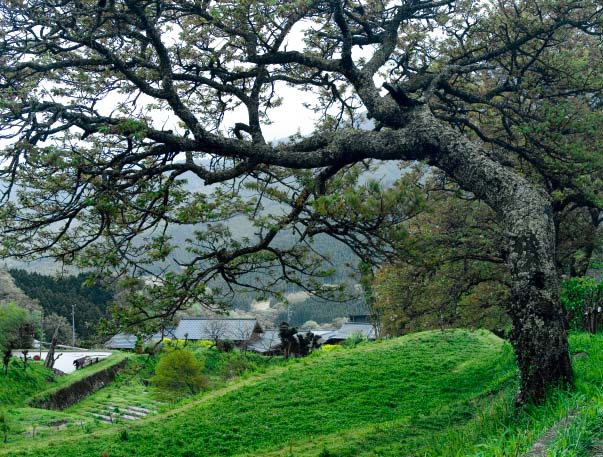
(539, 335)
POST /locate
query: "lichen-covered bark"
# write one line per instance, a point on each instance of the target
(539, 334)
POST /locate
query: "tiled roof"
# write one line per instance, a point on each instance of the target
(325, 335)
(197, 328)
(268, 341)
(128, 340)
(271, 341)
(122, 341)
(351, 328)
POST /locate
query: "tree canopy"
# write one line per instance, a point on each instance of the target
(108, 108)
(16, 331)
(451, 273)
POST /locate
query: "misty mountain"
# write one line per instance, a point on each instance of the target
(342, 259)
(10, 292)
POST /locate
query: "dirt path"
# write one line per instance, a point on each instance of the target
(540, 447)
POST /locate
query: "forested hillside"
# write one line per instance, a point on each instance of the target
(58, 295)
(320, 310)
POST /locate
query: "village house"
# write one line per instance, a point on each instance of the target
(269, 342)
(241, 331)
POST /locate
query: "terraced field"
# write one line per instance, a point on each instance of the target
(395, 391)
(121, 401)
(428, 394)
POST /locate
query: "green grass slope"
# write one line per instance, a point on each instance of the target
(19, 384)
(392, 398)
(21, 424)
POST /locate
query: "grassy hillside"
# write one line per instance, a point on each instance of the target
(342, 400)
(19, 384)
(428, 394)
(23, 424)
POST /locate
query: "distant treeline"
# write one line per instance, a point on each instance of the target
(58, 295)
(321, 311)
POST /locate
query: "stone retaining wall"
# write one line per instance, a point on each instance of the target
(76, 392)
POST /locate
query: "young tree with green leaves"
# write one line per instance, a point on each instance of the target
(16, 331)
(475, 89)
(178, 373)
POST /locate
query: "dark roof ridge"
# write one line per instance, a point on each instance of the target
(219, 318)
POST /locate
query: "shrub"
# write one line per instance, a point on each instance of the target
(236, 366)
(354, 340)
(226, 345)
(178, 373)
(330, 347)
(582, 298)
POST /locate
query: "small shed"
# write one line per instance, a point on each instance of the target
(123, 341)
(359, 318)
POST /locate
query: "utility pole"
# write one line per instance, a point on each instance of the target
(41, 335)
(73, 324)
